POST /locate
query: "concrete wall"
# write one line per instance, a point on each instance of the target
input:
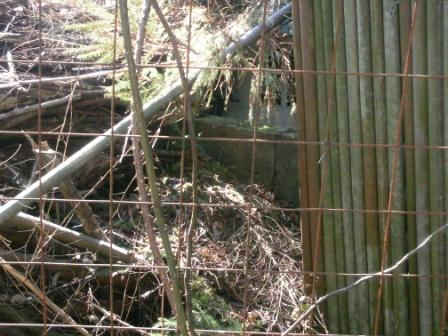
(275, 164)
(238, 106)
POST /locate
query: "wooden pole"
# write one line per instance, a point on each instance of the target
(444, 320)
(312, 130)
(381, 123)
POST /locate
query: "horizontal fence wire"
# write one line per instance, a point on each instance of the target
(325, 212)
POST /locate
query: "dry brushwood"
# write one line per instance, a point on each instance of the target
(150, 110)
(276, 289)
(49, 159)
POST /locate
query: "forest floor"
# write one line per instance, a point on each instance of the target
(246, 261)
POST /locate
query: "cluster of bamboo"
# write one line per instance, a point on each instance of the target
(372, 109)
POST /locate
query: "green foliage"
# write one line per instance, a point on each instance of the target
(151, 82)
(96, 27)
(210, 311)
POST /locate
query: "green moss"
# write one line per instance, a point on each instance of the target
(210, 311)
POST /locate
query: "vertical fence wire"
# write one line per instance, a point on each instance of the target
(371, 109)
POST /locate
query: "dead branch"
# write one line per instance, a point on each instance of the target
(59, 80)
(9, 37)
(146, 9)
(194, 154)
(65, 235)
(36, 291)
(150, 110)
(69, 190)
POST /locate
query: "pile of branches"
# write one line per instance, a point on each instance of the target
(35, 66)
(248, 251)
(249, 254)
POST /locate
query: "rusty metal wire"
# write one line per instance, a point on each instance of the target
(254, 140)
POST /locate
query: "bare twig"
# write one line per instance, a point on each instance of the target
(36, 291)
(69, 190)
(148, 220)
(117, 319)
(355, 284)
(194, 154)
(146, 9)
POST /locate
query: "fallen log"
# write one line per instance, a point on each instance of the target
(22, 114)
(101, 143)
(24, 221)
(58, 80)
(68, 188)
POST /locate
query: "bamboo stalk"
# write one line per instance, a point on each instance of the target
(356, 163)
(436, 136)
(305, 225)
(345, 170)
(326, 218)
(312, 130)
(369, 155)
(445, 116)
(330, 42)
(408, 133)
(420, 104)
(397, 223)
(381, 123)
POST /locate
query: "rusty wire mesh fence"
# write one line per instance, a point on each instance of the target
(254, 168)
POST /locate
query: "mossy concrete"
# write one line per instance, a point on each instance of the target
(275, 163)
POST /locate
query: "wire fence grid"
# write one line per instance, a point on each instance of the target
(369, 86)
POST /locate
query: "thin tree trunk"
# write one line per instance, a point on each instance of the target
(150, 170)
(195, 163)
